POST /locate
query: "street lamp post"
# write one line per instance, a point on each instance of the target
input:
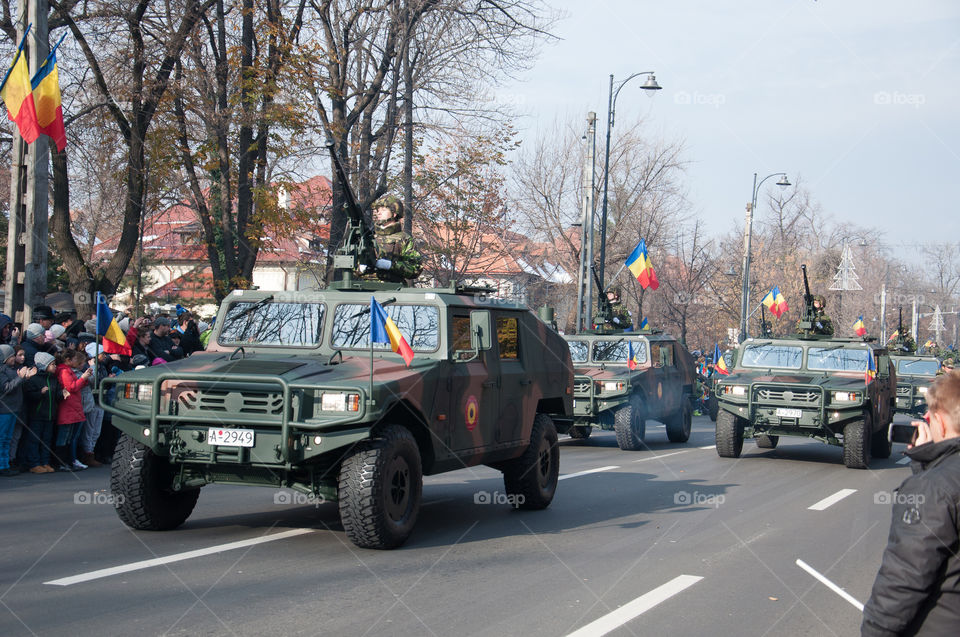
(747, 233)
(649, 85)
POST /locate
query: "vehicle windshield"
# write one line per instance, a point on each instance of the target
(918, 367)
(268, 323)
(579, 351)
(419, 325)
(781, 356)
(837, 360)
(618, 350)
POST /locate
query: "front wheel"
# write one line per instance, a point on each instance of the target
(729, 435)
(713, 407)
(856, 443)
(679, 426)
(630, 426)
(380, 488)
(531, 480)
(141, 483)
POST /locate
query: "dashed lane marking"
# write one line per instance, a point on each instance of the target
(662, 455)
(708, 447)
(831, 500)
(836, 589)
(176, 557)
(637, 607)
(587, 472)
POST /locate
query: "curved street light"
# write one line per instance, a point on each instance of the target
(747, 232)
(649, 85)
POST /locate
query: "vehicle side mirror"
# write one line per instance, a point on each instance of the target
(480, 337)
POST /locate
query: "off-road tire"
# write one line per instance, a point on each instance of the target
(766, 441)
(713, 408)
(531, 480)
(630, 426)
(380, 488)
(141, 484)
(856, 444)
(679, 426)
(580, 432)
(729, 435)
(880, 444)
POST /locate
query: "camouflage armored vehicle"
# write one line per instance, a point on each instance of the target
(915, 373)
(612, 393)
(840, 391)
(291, 393)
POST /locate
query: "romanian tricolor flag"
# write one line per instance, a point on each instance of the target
(894, 336)
(46, 97)
(384, 330)
(639, 264)
(18, 96)
(631, 356)
(871, 369)
(114, 340)
(775, 302)
(928, 344)
(859, 328)
(719, 363)
(644, 324)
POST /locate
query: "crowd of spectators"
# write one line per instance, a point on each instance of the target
(50, 419)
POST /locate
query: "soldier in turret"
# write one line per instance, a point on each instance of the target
(619, 315)
(398, 259)
(821, 322)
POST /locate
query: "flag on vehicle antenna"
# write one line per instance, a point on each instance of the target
(859, 328)
(631, 356)
(775, 302)
(639, 265)
(871, 369)
(384, 330)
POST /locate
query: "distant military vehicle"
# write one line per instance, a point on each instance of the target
(291, 393)
(837, 390)
(915, 373)
(612, 393)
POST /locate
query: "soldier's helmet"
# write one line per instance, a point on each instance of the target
(391, 202)
(614, 292)
(819, 300)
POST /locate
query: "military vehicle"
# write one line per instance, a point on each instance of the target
(837, 390)
(915, 373)
(612, 393)
(292, 393)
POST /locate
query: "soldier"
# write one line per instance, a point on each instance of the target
(905, 342)
(398, 260)
(619, 315)
(821, 322)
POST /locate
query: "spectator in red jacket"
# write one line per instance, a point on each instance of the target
(70, 418)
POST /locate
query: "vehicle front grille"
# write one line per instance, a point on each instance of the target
(903, 390)
(581, 388)
(782, 395)
(227, 401)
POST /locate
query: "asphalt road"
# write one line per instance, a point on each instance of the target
(670, 540)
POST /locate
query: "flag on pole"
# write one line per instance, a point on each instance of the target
(719, 363)
(639, 265)
(631, 356)
(644, 324)
(871, 369)
(46, 98)
(114, 340)
(384, 330)
(18, 96)
(775, 302)
(859, 328)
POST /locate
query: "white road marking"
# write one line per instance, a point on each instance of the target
(176, 557)
(662, 455)
(836, 589)
(637, 607)
(587, 472)
(831, 500)
(708, 447)
(904, 460)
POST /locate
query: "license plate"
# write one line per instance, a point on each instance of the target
(230, 437)
(788, 413)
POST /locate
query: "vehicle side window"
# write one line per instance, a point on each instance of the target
(459, 334)
(666, 352)
(507, 338)
(656, 356)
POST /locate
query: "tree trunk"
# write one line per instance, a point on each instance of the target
(81, 278)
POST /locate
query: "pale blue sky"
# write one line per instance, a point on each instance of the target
(859, 98)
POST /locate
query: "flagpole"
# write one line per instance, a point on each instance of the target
(370, 395)
(614, 278)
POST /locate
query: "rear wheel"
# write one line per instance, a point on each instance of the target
(531, 479)
(765, 441)
(381, 484)
(729, 435)
(630, 426)
(856, 443)
(142, 486)
(880, 443)
(678, 428)
(580, 432)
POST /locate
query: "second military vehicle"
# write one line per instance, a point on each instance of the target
(626, 378)
(840, 391)
(293, 393)
(915, 373)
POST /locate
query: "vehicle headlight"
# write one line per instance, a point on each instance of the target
(138, 391)
(845, 397)
(611, 385)
(922, 390)
(339, 401)
(735, 390)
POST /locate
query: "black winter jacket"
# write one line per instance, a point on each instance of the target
(41, 405)
(917, 591)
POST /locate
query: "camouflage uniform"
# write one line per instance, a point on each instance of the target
(396, 246)
(619, 317)
(821, 322)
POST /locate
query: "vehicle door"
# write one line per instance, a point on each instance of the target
(664, 391)
(514, 380)
(474, 384)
